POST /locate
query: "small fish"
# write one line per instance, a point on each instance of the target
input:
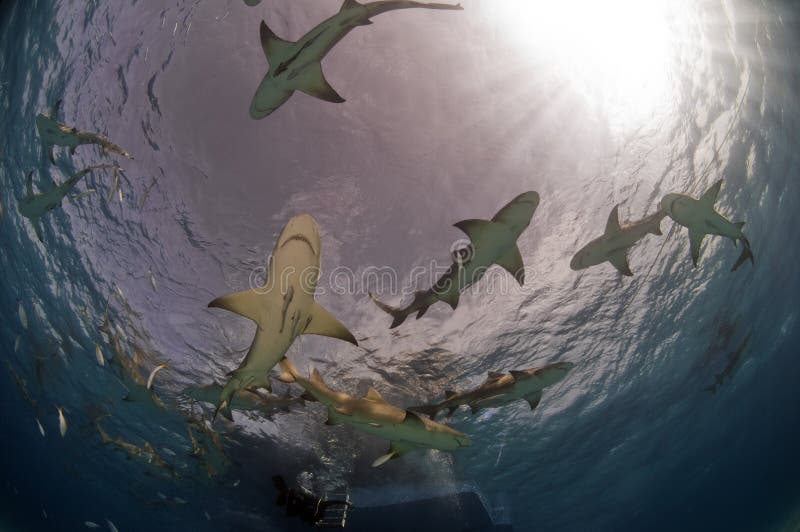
(98, 353)
(161, 496)
(62, 421)
(119, 194)
(175, 29)
(152, 279)
(178, 500)
(112, 38)
(84, 194)
(111, 526)
(91, 524)
(41, 428)
(153, 374)
(114, 186)
(119, 291)
(121, 332)
(44, 513)
(236, 483)
(16, 343)
(23, 317)
(208, 517)
(168, 451)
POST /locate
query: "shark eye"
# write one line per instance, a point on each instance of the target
(462, 254)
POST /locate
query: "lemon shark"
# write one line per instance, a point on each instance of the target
(405, 430)
(500, 389)
(491, 242)
(699, 216)
(33, 206)
(296, 65)
(615, 242)
(54, 133)
(283, 308)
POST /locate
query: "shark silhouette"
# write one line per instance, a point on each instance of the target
(54, 133)
(615, 242)
(297, 65)
(283, 308)
(699, 216)
(500, 389)
(492, 242)
(371, 414)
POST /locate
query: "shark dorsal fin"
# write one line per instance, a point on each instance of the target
(274, 47)
(612, 225)
(709, 197)
(619, 259)
(449, 393)
(493, 375)
(324, 323)
(373, 394)
(312, 81)
(512, 263)
(477, 229)
(347, 4)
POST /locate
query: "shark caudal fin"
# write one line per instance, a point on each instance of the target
(225, 409)
(746, 253)
(398, 315)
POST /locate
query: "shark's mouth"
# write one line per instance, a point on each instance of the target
(300, 238)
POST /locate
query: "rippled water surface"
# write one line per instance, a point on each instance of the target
(449, 115)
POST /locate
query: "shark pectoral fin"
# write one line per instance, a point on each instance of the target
(29, 184)
(534, 399)
(245, 303)
(332, 419)
(275, 48)
(324, 323)
(479, 229)
(512, 263)
(619, 259)
(383, 459)
(612, 225)
(695, 241)
(55, 109)
(313, 82)
(709, 197)
(450, 297)
(37, 228)
(373, 394)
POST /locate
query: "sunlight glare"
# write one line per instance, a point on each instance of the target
(618, 53)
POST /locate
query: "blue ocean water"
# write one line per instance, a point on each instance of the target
(446, 124)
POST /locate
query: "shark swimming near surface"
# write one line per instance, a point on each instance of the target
(283, 308)
(732, 366)
(491, 242)
(405, 430)
(54, 133)
(33, 206)
(297, 65)
(699, 216)
(615, 242)
(500, 389)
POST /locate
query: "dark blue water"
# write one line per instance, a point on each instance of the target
(448, 116)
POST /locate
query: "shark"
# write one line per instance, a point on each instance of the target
(253, 400)
(297, 65)
(406, 430)
(54, 133)
(699, 216)
(615, 242)
(33, 206)
(500, 389)
(733, 364)
(491, 242)
(145, 452)
(283, 308)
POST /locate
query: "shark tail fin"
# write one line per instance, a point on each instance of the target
(398, 315)
(746, 254)
(429, 410)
